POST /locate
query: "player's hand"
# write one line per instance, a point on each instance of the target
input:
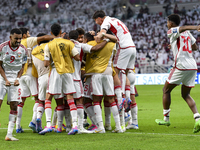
(198, 28)
(16, 83)
(98, 38)
(8, 83)
(169, 46)
(92, 32)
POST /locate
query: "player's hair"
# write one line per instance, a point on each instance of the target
(80, 31)
(88, 36)
(15, 30)
(174, 18)
(73, 34)
(55, 29)
(24, 30)
(99, 13)
(42, 34)
(66, 36)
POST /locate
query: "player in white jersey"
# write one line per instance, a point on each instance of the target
(78, 96)
(28, 81)
(126, 51)
(13, 56)
(184, 69)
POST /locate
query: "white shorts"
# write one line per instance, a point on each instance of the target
(87, 88)
(102, 84)
(131, 77)
(125, 58)
(122, 77)
(42, 82)
(186, 77)
(12, 93)
(60, 83)
(28, 85)
(79, 89)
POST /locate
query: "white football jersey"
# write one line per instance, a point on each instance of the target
(12, 60)
(82, 48)
(120, 30)
(181, 45)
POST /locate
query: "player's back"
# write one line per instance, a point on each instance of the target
(61, 52)
(120, 30)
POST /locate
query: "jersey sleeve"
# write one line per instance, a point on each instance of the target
(173, 33)
(86, 48)
(74, 52)
(106, 24)
(31, 41)
(25, 56)
(46, 52)
(193, 40)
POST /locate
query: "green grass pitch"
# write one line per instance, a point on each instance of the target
(150, 136)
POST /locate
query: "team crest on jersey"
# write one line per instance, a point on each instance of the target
(7, 53)
(19, 54)
(62, 46)
(175, 30)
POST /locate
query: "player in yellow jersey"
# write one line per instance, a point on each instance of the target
(99, 67)
(28, 82)
(61, 82)
(43, 72)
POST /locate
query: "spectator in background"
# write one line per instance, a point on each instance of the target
(176, 11)
(183, 11)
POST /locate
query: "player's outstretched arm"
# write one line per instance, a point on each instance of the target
(77, 57)
(111, 37)
(2, 72)
(184, 28)
(99, 46)
(100, 35)
(44, 38)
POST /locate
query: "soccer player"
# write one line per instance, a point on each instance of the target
(13, 56)
(28, 82)
(184, 68)
(82, 48)
(126, 51)
(99, 65)
(38, 61)
(61, 52)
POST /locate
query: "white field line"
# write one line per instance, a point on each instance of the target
(141, 133)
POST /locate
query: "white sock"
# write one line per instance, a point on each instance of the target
(40, 111)
(60, 114)
(19, 115)
(54, 120)
(127, 91)
(11, 124)
(115, 113)
(48, 112)
(35, 112)
(107, 111)
(67, 117)
(118, 93)
(80, 114)
(166, 114)
(121, 115)
(73, 111)
(89, 109)
(134, 111)
(98, 114)
(196, 116)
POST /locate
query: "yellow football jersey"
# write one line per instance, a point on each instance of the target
(38, 52)
(34, 71)
(61, 53)
(97, 62)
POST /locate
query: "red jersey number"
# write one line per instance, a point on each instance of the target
(12, 58)
(185, 40)
(123, 27)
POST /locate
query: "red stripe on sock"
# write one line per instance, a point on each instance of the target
(60, 108)
(21, 105)
(79, 106)
(13, 112)
(133, 105)
(113, 104)
(87, 105)
(37, 101)
(47, 104)
(117, 86)
(40, 105)
(96, 103)
(127, 88)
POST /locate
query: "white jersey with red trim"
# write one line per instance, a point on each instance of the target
(120, 30)
(181, 45)
(12, 60)
(82, 48)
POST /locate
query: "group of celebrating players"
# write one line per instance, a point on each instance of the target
(51, 66)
